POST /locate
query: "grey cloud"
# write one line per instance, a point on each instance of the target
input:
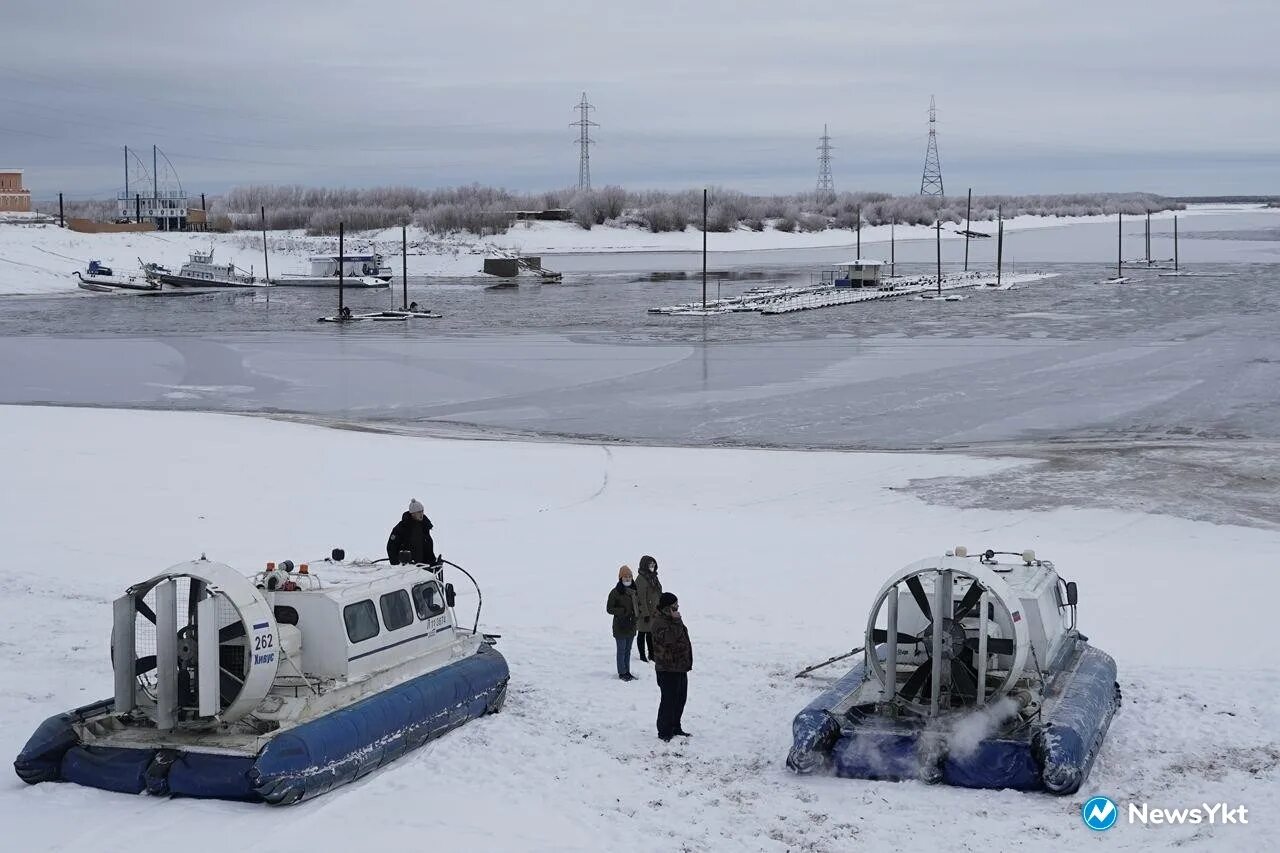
(1033, 96)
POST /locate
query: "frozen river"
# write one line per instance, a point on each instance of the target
(1092, 378)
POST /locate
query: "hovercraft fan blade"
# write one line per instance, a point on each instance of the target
(1000, 647)
(970, 601)
(995, 646)
(228, 686)
(145, 610)
(917, 681)
(880, 635)
(917, 592)
(231, 632)
(964, 681)
(144, 665)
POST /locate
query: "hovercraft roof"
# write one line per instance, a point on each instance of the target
(355, 580)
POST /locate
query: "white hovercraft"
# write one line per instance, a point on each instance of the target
(276, 688)
(973, 674)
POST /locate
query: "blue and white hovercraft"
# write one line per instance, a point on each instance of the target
(972, 674)
(273, 689)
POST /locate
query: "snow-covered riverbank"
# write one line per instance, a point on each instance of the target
(44, 258)
(775, 556)
(565, 237)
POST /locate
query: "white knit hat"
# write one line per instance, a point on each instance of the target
(414, 506)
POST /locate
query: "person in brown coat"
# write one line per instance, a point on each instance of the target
(673, 659)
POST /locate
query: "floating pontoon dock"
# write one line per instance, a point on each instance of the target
(787, 300)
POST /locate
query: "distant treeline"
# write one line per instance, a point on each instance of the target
(486, 210)
(1269, 200)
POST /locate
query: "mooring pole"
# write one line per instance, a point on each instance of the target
(340, 256)
(155, 185)
(1175, 242)
(404, 263)
(62, 223)
(938, 228)
(968, 226)
(266, 265)
(137, 207)
(202, 204)
(859, 230)
(126, 174)
(704, 249)
(893, 267)
(1148, 238)
(1120, 244)
(999, 242)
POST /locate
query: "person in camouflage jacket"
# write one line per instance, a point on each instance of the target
(672, 653)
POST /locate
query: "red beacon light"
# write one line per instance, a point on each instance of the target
(304, 570)
(271, 567)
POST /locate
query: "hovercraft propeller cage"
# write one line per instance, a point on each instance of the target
(973, 673)
(203, 651)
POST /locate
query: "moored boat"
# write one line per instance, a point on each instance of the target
(103, 279)
(357, 271)
(201, 271)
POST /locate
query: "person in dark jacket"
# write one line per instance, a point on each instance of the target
(673, 659)
(412, 535)
(621, 605)
(648, 590)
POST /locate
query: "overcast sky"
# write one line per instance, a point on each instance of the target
(1173, 97)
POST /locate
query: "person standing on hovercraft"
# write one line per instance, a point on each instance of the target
(673, 658)
(648, 590)
(410, 541)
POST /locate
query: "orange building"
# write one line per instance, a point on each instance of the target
(12, 196)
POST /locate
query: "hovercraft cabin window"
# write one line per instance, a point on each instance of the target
(427, 600)
(397, 612)
(361, 619)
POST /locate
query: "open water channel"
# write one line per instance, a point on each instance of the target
(1119, 385)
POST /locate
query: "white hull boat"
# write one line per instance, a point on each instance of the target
(357, 271)
(200, 271)
(103, 279)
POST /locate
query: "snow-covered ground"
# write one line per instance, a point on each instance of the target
(43, 258)
(775, 556)
(534, 238)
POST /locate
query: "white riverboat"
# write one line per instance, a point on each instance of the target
(358, 271)
(201, 271)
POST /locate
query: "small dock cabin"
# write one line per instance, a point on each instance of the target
(855, 273)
